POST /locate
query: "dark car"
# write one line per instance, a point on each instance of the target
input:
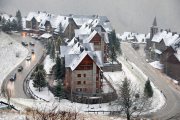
(31, 43)
(20, 68)
(32, 51)
(13, 77)
(24, 43)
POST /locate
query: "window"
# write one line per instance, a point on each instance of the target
(84, 89)
(84, 75)
(78, 75)
(78, 82)
(78, 89)
(84, 82)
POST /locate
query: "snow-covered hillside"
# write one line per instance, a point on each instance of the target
(12, 54)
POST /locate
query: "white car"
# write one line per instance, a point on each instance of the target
(28, 58)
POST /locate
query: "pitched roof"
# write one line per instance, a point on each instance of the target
(91, 36)
(76, 59)
(167, 37)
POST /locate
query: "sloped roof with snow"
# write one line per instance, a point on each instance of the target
(76, 59)
(55, 22)
(90, 37)
(46, 35)
(167, 37)
(5, 16)
(127, 36)
(141, 38)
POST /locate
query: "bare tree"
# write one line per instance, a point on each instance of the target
(54, 113)
(130, 102)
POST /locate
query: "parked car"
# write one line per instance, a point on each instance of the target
(31, 43)
(13, 77)
(20, 68)
(32, 51)
(28, 58)
(24, 43)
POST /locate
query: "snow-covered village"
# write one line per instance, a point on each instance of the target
(77, 66)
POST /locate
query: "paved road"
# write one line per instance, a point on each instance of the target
(172, 108)
(17, 86)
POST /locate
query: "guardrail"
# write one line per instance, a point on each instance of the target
(103, 111)
(26, 81)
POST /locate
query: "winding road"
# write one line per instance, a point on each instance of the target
(17, 87)
(171, 110)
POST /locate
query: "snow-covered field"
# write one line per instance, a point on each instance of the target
(43, 94)
(48, 64)
(9, 50)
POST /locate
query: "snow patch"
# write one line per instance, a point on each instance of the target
(157, 65)
(43, 94)
(48, 64)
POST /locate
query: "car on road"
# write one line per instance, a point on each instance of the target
(31, 43)
(32, 51)
(20, 68)
(28, 58)
(13, 77)
(24, 43)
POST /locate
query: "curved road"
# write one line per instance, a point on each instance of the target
(16, 87)
(171, 110)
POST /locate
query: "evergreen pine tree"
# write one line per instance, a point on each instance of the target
(113, 54)
(60, 30)
(58, 68)
(114, 41)
(148, 91)
(48, 47)
(39, 80)
(52, 51)
(58, 43)
(19, 20)
(14, 25)
(59, 92)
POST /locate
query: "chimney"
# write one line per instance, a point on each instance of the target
(70, 19)
(173, 33)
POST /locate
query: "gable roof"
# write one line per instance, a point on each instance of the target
(167, 37)
(91, 36)
(76, 59)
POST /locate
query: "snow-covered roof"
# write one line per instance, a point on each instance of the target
(39, 16)
(127, 36)
(46, 35)
(64, 20)
(157, 51)
(141, 38)
(24, 23)
(88, 46)
(167, 37)
(91, 36)
(5, 16)
(106, 38)
(73, 61)
(177, 56)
